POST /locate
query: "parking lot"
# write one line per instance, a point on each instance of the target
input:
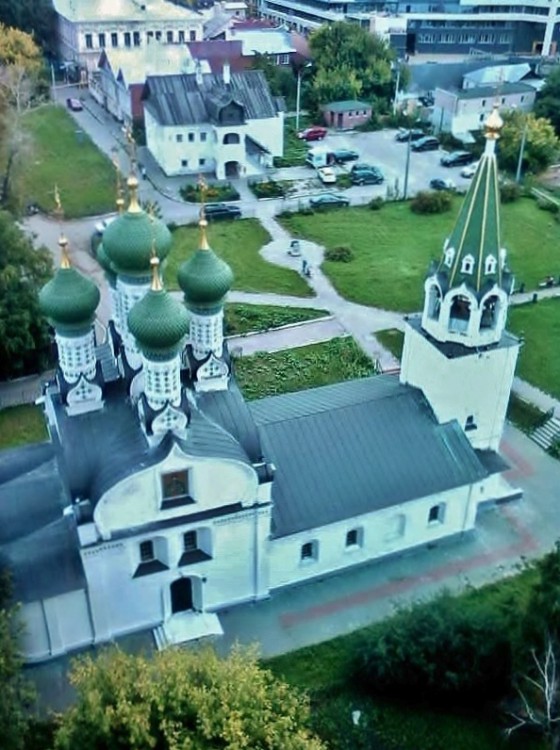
(380, 149)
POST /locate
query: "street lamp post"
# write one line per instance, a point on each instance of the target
(521, 151)
(407, 166)
(298, 91)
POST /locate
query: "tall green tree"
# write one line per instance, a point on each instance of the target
(183, 700)
(24, 337)
(36, 17)
(548, 100)
(541, 143)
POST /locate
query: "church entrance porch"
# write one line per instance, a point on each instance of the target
(185, 620)
(181, 595)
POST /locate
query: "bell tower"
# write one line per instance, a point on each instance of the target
(458, 351)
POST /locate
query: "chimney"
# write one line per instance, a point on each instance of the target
(226, 73)
(198, 73)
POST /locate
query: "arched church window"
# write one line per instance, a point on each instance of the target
(434, 302)
(490, 264)
(490, 313)
(448, 256)
(467, 264)
(459, 314)
(231, 138)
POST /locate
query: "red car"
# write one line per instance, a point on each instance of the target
(316, 133)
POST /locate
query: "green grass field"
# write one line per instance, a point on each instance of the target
(539, 358)
(20, 425)
(304, 367)
(393, 248)
(238, 243)
(85, 177)
(241, 319)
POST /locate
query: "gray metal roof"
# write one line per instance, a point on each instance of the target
(180, 100)
(481, 92)
(348, 449)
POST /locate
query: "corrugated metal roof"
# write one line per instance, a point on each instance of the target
(352, 448)
(489, 92)
(498, 74)
(180, 100)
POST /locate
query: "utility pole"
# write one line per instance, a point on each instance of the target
(521, 151)
(396, 97)
(407, 167)
(298, 97)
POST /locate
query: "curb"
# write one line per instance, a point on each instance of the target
(299, 324)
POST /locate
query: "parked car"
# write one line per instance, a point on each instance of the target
(413, 135)
(440, 183)
(315, 133)
(216, 211)
(327, 175)
(456, 158)
(342, 155)
(328, 200)
(369, 176)
(74, 104)
(469, 170)
(427, 143)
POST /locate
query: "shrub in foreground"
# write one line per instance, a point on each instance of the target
(431, 202)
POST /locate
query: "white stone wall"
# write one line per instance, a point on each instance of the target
(453, 114)
(380, 533)
(127, 296)
(207, 334)
(76, 356)
(162, 381)
(477, 385)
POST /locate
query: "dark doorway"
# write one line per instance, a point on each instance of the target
(232, 169)
(340, 120)
(411, 44)
(181, 595)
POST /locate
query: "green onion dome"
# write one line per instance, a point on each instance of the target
(204, 278)
(129, 240)
(69, 300)
(158, 322)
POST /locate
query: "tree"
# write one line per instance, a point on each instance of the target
(18, 48)
(539, 695)
(548, 100)
(541, 143)
(188, 699)
(24, 337)
(36, 17)
(345, 50)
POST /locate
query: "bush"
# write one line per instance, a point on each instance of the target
(268, 189)
(376, 204)
(450, 143)
(340, 254)
(431, 202)
(509, 192)
(438, 651)
(546, 205)
(223, 191)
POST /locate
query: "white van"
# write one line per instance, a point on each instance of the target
(319, 157)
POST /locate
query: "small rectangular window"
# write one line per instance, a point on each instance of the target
(201, 162)
(436, 513)
(307, 551)
(114, 40)
(184, 163)
(190, 542)
(147, 551)
(175, 486)
(158, 35)
(203, 137)
(136, 37)
(191, 137)
(169, 37)
(483, 102)
(192, 35)
(470, 424)
(150, 34)
(352, 538)
(127, 38)
(89, 41)
(181, 36)
(102, 41)
(179, 138)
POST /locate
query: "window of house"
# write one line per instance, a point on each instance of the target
(184, 163)
(114, 39)
(150, 34)
(203, 137)
(196, 547)
(523, 98)
(483, 102)
(436, 513)
(158, 35)
(169, 36)
(127, 38)
(490, 264)
(308, 551)
(191, 137)
(136, 38)
(190, 541)
(179, 138)
(353, 538)
(192, 35)
(467, 264)
(175, 489)
(89, 41)
(102, 41)
(181, 36)
(201, 162)
(148, 558)
(147, 551)
(470, 424)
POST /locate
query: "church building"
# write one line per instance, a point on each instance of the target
(163, 496)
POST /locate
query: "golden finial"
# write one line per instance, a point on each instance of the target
(202, 223)
(64, 257)
(493, 124)
(133, 205)
(156, 285)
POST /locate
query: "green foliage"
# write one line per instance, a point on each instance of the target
(239, 244)
(439, 651)
(268, 189)
(339, 254)
(548, 205)
(241, 318)
(376, 204)
(24, 337)
(524, 415)
(541, 143)
(212, 192)
(393, 340)
(295, 150)
(542, 613)
(300, 368)
(22, 424)
(36, 17)
(431, 202)
(281, 79)
(548, 100)
(182, 699)
(509, 192)
(554, 449)
(350, 63)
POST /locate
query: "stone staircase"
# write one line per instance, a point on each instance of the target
(548, 433)
(104, 356)
(185, 627)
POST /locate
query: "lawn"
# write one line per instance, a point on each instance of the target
(84, 176)
(391, 339)
(20, 425)
(304, 367)
(539, 358)
(325, 672)
(295, 150)
(241, 319)
(393, 248)
(238, 243)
